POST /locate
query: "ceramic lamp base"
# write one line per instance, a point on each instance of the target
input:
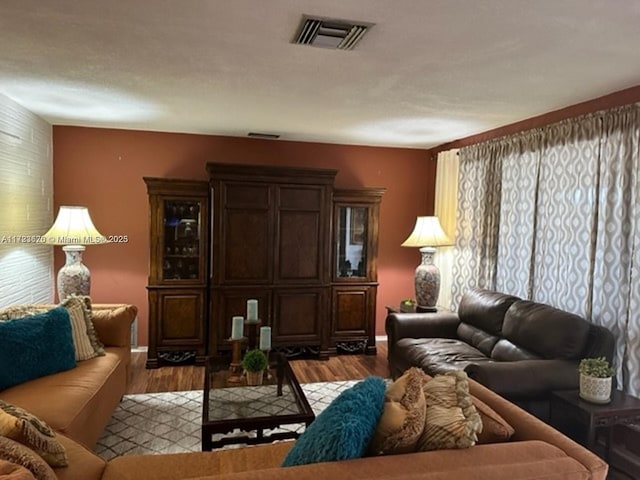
(74, 277)
(427, 280)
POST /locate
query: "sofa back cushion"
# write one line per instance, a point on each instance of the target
(481, 314)
(545, 331)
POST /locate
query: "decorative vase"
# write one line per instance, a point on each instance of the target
(595, 389)
(254, 378)
(427, 280)
(74, 276)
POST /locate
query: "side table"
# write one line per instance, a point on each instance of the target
(569, 411)
(415, 309)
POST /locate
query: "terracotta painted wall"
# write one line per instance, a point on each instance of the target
(103, 169)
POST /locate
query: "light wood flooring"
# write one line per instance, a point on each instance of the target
(190, 377)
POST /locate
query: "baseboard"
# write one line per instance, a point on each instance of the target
(144, 348)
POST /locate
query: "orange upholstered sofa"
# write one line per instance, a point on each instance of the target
(536, 451)
(78, 403)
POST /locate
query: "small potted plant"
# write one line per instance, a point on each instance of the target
(254, 363)
(595, 379)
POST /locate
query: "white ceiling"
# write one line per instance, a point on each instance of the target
(428, 72)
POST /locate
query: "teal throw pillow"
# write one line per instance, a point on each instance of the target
(344, 429)
(35, 346)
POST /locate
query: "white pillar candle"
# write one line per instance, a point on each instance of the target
(252, 310)
(265, 338)
(237, 327)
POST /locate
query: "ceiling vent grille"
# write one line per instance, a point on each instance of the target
(330, 32)
(269, 136)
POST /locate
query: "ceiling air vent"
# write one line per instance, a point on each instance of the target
(269, 136)
(330, 32)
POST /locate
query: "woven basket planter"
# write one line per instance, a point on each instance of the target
(254, 378)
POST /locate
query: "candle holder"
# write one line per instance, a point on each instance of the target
(236, 359)
(252, 331)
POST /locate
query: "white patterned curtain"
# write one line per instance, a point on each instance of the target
(554, 215)
(446, 202)
(565, 216)
(477, 219)
(615, 301)
(520, 169)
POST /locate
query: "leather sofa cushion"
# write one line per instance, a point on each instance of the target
(79, 402)
(506, 351)
(83, 463)
(530, 460)
(191, 465)
(480, 339)
(485, 309)
(438, 355)
(545, 330)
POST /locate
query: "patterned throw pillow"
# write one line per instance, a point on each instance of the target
(83, 303)
(451, 421)
(20, 425)
(495, 429)
(344, 429)
(87, 345)
(20, 311)
(15, 452)
(403, 417)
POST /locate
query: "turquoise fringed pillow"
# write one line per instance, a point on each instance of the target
(344, 429)
(35, 346)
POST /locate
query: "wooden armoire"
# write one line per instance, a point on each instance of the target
(281, 235)
(271, 239)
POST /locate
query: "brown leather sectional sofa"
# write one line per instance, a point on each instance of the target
(520, 349)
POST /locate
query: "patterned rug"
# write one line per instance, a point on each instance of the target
(170, 422)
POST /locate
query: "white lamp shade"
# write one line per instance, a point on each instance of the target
(427, 233)
(73, 226)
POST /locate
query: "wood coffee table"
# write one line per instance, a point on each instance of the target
(229, 406)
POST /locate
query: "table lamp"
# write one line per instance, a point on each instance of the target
(427, 234)
(74, 229)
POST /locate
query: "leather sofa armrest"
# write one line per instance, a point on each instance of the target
(420, 325)
(600, 343)
(526, 378)
(113, 323)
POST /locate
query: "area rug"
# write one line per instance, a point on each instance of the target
(169, 422)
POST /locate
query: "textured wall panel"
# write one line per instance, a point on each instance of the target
(26, 206)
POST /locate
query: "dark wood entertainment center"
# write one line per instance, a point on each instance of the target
(282, 235)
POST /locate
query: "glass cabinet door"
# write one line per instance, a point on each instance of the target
(351, 242)
(181, 238)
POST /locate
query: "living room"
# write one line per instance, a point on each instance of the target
(93, 112)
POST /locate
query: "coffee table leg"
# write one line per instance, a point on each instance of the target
(207, 444)
(280, 375)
